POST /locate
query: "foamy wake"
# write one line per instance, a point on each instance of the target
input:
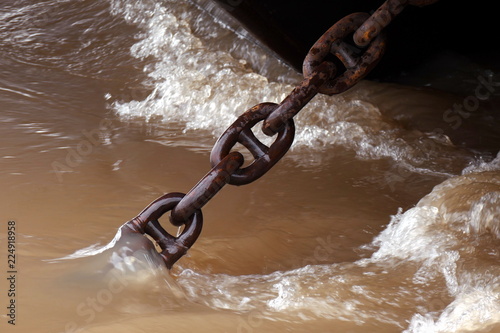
(206, 87)
(455, 230)
(447, 244)
(198, 79)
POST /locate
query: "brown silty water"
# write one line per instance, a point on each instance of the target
(382, 218)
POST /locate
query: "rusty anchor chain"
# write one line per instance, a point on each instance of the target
(321, 75)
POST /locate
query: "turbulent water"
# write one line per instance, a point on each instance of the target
(383, 217)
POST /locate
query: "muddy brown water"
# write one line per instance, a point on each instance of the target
(382, 218)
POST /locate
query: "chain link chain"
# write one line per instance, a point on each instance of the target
(321, 75)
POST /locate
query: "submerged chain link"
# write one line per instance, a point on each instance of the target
(321, 75)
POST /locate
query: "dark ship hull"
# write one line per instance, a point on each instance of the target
(417, 34)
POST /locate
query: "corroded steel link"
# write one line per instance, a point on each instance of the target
(356, 66)
(206, 188)
(265, 157)
(372, 27)
(382, 17)
(248, 139)
(298, 98)
(227, 166)
(345, 53)
(173, 248)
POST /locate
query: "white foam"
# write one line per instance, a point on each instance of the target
(480, 165)
(442, 265)
(442, 233)
(471, 311)
(206, 87)
(198, 81)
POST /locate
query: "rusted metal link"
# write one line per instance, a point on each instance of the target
(382, 17)
(227, 166)
(206, 188)
(356, 67)
(173, 248)
(373, 26)
(298, 98)
(264, 157)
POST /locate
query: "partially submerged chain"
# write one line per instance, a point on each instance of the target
(320, 76)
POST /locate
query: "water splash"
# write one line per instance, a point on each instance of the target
(444, 253)
(453, 231)
(129, 258)
(198, 82)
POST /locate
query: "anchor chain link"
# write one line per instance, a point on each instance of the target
(321, 75)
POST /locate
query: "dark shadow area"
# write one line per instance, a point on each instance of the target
(414, 37)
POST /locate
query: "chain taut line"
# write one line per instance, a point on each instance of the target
(206, 188)
(321, 75)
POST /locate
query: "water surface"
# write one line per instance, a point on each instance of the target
(382, 218)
